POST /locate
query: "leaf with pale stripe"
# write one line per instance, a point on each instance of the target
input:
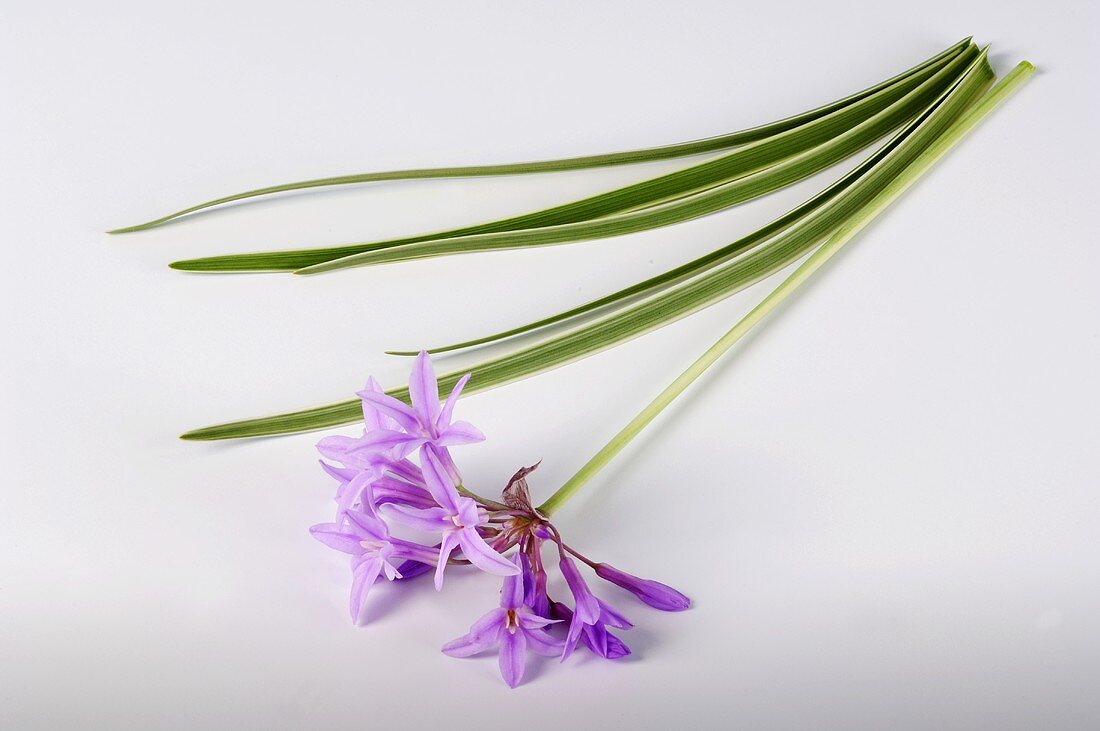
(758, 163)
(678, 301)
(664, 152)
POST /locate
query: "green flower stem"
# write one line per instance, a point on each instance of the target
(490, 504)
(843, 234)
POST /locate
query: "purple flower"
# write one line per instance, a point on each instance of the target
(514, 627)
(365, 459)
(356, 484)
(373, 551)
(380, 479)
(534, 579)
(595, 637)
(653, 593)
(590, 615)
(455, 516)
(411, 569)
(389, 489)
(426, 421)
(380, 443)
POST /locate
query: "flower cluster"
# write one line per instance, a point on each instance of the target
(381, 483)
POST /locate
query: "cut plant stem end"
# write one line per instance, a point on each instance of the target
(839, 238)
(711, 144)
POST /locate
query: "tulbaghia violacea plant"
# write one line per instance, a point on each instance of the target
(379, 482)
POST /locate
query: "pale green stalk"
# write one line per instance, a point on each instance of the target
(843, 234)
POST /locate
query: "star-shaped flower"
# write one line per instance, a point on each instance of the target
(514, 628)
(374, 552)
(591, 616)
(426, 421)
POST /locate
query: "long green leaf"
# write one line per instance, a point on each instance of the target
(900, 99)
(831, 149)
(710, 144)
(668, 306)
(684, 271)
(815, 261)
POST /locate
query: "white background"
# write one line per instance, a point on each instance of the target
(884, 502)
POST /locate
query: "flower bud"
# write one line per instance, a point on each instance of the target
(653, 593)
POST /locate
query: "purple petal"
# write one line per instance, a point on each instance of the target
(336, 447)
(616, 648)
(530, 620)
(576, 627)
(407, 471)
(446, 548)
(528, 574)
(365, 575)
(385, 440)
(513, 656)
(423, 389)
(412, 568)
(431, 520)
(604, 643)
(534, 582)
(610, 615)
(587, 606)
(447, 462)
(372, 419)
(541, 642)
(333, 536)
(488, 624)
(482, 635)
(399, 411)
(460, 432)
(469, 513)
(367, 527)
(340, 474)
(466, 646)
(392, 490)
(511, 594)
(444, 417)
(436, 480)
(409, 551)
(480, 554)
(351, 492)
(653, 593)
(595, 638)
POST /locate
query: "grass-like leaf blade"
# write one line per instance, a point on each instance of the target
(683, 299)
(675, 188)
(797, 162)
(786, 288)
(664, 152)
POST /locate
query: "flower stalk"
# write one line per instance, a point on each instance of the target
(842, 235)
